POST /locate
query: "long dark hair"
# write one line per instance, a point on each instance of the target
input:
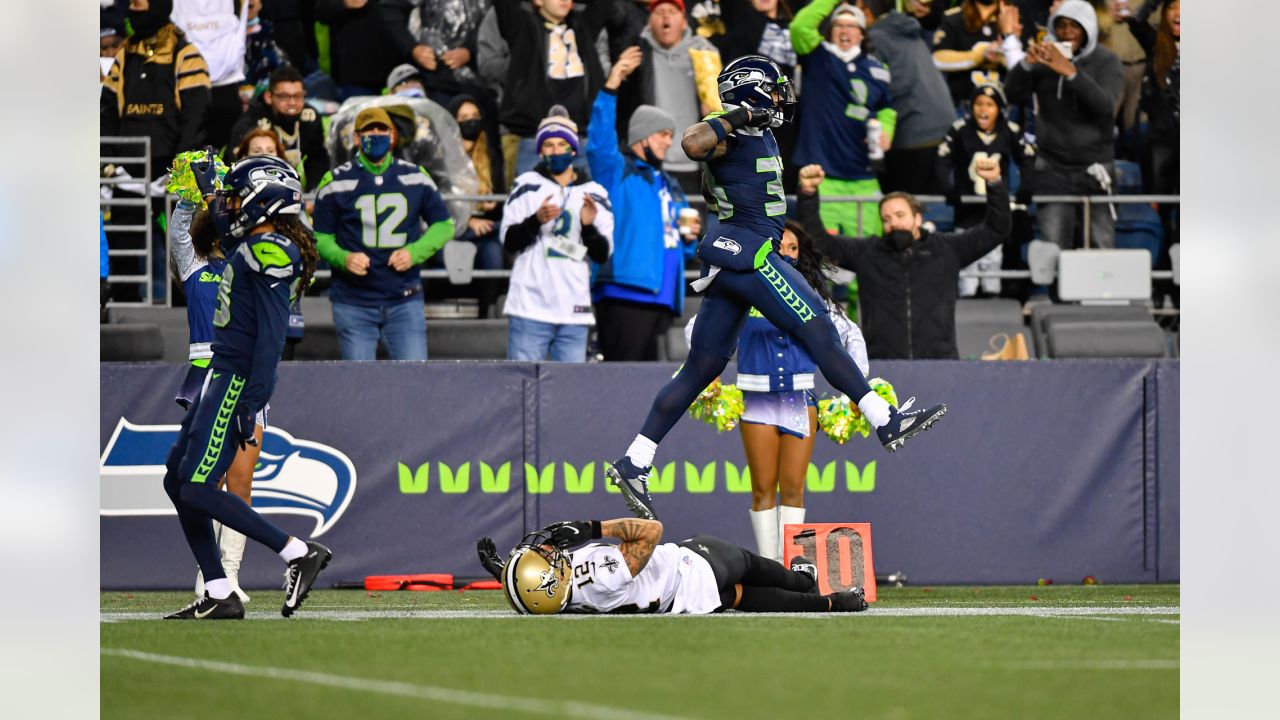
(1166, 49)
(299, 234)
(812, 264)
(204, 240)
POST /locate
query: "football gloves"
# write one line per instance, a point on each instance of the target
(244, 420)
(489, 557)
(564, 535)
(206, 173)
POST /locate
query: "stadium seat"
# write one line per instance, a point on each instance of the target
(469, 339)
(459, 260)
(1138, 227)
(171, 322)
(978, 321)
(130, 342)
(1106, 339)
(1044, 314)
(1128, 178)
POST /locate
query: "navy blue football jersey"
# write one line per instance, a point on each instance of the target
(249, 325)
(746, 183)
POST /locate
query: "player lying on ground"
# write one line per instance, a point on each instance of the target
(271, 256)
(545, 574)
(744, 175)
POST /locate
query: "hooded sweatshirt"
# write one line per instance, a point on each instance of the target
(669, 78)
(920, 95)
(1074, 118)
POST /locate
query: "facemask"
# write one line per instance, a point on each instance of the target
(470, 129)
(413, 92)
(901, 239)
(375, 147)
(146, 23)
(789, 260)
(651, 158)
(556, 164)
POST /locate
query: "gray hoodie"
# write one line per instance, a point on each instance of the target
(920, 95)
(1075, 118)
(673, 89)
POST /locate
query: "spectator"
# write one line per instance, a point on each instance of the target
(641, 288)
(366, 211)
(554, 222)
(678, 74)
(1120, 40)
(984, 133)
(284, 108)
(110, 40)
(482, 226)
(445, 43)
(844, 89)
(1161, 95)
(405, 80)
(292, 24)
(569, 77)
(967, 48)
(361, 51)
(262, 55)
(1076, 95)
(218, 29)
(158, 86)
(920, 98)
(926, 12)
(908, 277)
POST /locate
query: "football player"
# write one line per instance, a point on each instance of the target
(544, 575)
(743, 172)
(270, 257)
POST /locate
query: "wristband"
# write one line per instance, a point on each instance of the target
(596, 532)
(718, 128)
(737, 118)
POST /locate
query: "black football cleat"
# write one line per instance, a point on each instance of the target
(301, 575)
(904, 425)
(852, 600)
(804, 566)
(634, 484)
(207, 608)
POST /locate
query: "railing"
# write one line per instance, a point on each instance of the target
(117, 229)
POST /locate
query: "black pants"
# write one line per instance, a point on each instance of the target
(735, 565)
(629, 331)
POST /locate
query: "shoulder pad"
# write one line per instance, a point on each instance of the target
(270, 254)
(959, 124)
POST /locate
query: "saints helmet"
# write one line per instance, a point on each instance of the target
(752, 81)
(267, 186)
(536, 576)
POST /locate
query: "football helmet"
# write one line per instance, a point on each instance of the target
(536, 576)
(757, 82)
(266, 186)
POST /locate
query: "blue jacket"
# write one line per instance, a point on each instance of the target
(636, 190)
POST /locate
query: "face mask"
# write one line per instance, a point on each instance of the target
(901, 239)
(651, 158)
(375, 147)
(789, 260)
(556, 164)
(146, 23)
(470, 129)
(413, 92)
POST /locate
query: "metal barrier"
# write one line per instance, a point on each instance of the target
(117, 229)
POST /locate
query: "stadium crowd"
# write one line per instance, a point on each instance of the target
(574, 112)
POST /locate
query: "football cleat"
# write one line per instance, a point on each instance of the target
(804, 566)
(852, 600)
(301, 575)
(207, 608)
(904, 425)
(634, 484)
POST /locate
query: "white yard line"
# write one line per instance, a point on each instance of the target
(1120, 612)
(487, 701)
(1082, 664)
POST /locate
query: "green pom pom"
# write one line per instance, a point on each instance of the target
(182, 181)
(840, 418)
(719, 405)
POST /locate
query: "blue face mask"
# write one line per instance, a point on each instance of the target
(375, 147)
(789, 260)
(556, 164)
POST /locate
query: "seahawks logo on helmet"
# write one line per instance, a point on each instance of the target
(756, 81)
(267, 186)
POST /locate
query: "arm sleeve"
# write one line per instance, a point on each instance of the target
(440, 226)
(842, 251)
(995, 228)
(1142, 31)
(598, 236)
(518, 237)
(805, 37)
(395, 18)
(191, 75)
(327, 247)
(603, 154)
(946, 163)
(1017, 85)
(182, 256)
(1099, 95)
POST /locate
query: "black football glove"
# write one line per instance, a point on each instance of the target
(489, 558)
(569, 534)
(760, 118)
(205, 171)
(244, 420)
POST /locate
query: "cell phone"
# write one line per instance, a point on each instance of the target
(1064, 48)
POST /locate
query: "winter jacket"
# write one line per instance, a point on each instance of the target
(303, 138)
(920, 95)
(361, 50)
(908, 297)
(1075, 119)
(1161, 105)
(445, 25)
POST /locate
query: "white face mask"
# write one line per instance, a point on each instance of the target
(412, 92)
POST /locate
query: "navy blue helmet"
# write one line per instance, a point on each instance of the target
(757, 82)
(267, 186)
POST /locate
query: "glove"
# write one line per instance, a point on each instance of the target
(760, 118)
(244, 420)
(568, 534)
(206, 173)
(489, 558)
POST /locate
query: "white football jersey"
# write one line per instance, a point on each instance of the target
(675, 580)
(551, 280)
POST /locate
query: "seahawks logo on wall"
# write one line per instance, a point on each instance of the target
(293, 476)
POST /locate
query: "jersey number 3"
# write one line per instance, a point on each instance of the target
(222, 315)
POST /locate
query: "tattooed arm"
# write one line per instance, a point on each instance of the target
(705, 140)
(639, 538)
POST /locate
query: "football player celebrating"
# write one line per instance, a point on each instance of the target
(271, 256)
(743, 173)
(698, 576)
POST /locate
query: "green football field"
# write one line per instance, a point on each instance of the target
(1105, 651)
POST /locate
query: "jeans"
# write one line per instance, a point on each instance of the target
(1058, 220)
(402, 327)
(532, 340)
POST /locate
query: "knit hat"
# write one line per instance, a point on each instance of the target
(851, 10)
(401, 73)
(557, 124)
(647, 120)
(993, 91)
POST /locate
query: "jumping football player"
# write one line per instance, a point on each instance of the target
(698, 576)
(743, 173)
(270, 256)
